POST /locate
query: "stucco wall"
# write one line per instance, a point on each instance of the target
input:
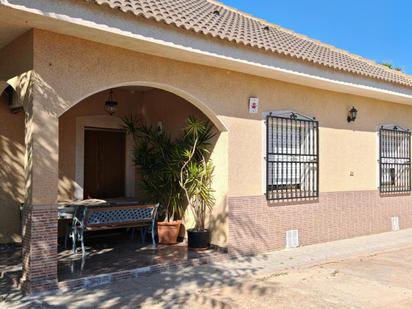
(222, 95)
(171, 110)
(11, 172)
(67, 79)
(344, 147)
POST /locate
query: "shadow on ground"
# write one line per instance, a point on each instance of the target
(10, 272)
(168, 289)
(172, 287)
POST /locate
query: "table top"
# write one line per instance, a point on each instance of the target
(102, 202)
(66, 209)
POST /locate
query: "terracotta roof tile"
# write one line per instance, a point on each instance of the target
(216, 20)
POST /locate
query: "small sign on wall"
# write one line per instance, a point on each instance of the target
(253, 105)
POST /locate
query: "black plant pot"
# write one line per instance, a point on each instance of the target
(198, 240)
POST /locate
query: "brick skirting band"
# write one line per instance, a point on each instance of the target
(39, 248)
(256, 225)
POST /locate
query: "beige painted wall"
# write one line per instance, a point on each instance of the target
(344, 147)
(171, 110)
(225, 94)
(222, 95)
(11, 172)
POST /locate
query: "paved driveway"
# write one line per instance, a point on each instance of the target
(365, 272)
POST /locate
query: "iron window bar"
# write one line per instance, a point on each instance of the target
(394, 159)
(292, 160)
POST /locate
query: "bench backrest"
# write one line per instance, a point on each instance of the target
(100, 216)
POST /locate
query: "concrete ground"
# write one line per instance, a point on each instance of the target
(364, 272)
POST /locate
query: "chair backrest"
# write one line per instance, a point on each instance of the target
(95, 216)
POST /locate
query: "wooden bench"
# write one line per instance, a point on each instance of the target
(104, 217)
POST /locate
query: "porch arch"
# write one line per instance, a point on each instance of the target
(219, 154)
(162, 86)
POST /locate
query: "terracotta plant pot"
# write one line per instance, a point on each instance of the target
(198, 240)
(168, 231)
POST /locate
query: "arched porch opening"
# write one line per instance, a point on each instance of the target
(96, 163)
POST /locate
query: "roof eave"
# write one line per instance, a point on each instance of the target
(104, 25)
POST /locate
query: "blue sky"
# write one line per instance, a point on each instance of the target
(380, 30)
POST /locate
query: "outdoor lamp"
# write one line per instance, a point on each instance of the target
(352, 114)
(111, 105)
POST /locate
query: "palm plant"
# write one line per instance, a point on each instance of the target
(197, 172)
(176, 173)
(198, 192)
(158, 157)
(391, 66)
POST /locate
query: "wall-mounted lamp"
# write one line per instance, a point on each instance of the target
(110, 106)
(352, 114)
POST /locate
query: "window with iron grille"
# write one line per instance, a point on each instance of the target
(292, 162)
(394, 159)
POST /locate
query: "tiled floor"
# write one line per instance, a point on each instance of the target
(106, 253)
(364, 272)
(112, 253)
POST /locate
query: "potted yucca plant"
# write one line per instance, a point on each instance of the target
(176, 173)
(196, 180)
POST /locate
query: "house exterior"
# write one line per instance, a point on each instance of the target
(292, 168)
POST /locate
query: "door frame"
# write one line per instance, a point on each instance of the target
(101, 122)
